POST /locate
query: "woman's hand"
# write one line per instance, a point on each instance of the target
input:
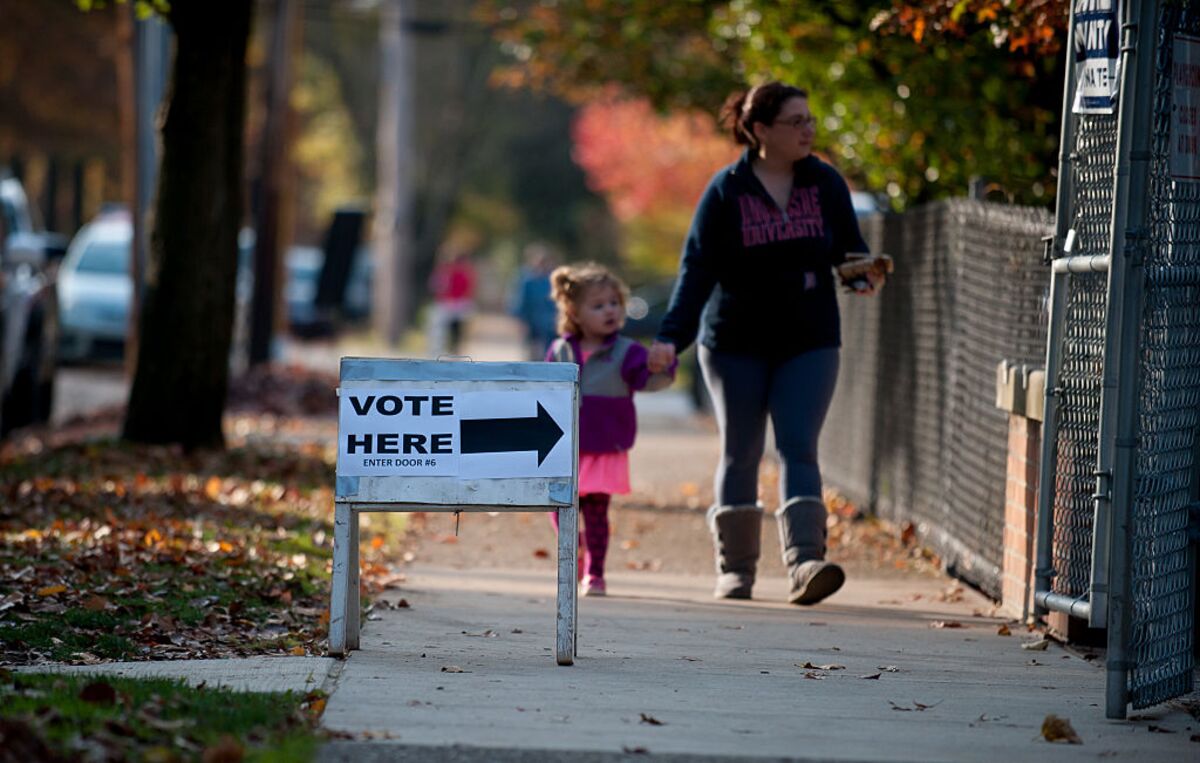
(661, 356)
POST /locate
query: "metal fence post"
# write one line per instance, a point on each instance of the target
(1044, 570)
(1119, 406)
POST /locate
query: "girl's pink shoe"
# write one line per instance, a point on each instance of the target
(593, 586)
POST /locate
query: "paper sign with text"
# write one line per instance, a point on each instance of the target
(1185, 114)
(1097, 54)
(442, 432)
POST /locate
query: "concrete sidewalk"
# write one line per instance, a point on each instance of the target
(467, 671)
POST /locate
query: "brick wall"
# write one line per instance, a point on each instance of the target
(1020, 516)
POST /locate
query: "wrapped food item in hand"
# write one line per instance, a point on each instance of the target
(864, 273)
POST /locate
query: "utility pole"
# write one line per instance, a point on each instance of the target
(151, 45)
(392, 289)
(271, 190)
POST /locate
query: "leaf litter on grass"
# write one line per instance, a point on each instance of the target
(56, 717)
(133, 552)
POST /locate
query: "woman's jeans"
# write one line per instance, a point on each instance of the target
(796, 392)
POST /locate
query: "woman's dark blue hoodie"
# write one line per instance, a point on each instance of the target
(763, 276)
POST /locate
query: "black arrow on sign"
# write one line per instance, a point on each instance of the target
(540, 433)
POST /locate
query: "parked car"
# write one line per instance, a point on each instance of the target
(303, 267)
(28, 310)
(95, 288)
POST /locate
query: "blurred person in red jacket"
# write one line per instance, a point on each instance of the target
(453, 287)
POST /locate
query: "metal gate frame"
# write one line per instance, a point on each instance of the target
(1107, 601)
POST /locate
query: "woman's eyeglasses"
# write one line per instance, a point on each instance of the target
(797, 122)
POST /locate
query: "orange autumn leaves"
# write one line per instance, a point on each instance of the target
(651, 168)
(645, 162)
(1033, 26)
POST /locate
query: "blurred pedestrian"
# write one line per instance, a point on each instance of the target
(591, 311)
(453, 287)
(757, 270)
(531, 301)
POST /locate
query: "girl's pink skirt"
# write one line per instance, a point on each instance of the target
(604, 473)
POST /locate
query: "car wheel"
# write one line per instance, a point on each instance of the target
(44, 372)
(29, 400)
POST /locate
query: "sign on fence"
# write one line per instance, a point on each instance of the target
(1097, 55)
(416, 435)
(1185, 115)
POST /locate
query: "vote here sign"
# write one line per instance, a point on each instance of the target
(396, 429)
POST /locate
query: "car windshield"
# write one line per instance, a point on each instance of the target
(104, 257)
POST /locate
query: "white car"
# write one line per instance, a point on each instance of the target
(28, 312)
(94, 288)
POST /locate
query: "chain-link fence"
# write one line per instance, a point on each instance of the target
(1080, 380)
(914, 431)
(1168, 404)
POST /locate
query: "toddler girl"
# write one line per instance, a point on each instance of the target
(591, 312)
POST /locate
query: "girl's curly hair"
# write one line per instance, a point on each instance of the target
(569, 285)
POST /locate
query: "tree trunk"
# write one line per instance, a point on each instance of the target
(179, 388)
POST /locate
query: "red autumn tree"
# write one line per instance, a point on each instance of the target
(652, 168)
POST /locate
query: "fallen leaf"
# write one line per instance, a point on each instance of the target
(226, 750)
(1055, 729)
(377, 542)
(1003, 630)
(630, 544)
(946, 624)
(87, 658)
(541, 553)
(212, 488)
(651, 720)
(296, 651)
(51, 590)
(821, 667)
(872, 676)
(1036, 646)
(95, 603)
(98, 693)
(453, 669)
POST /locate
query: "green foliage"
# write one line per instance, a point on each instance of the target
(143, 8)
(916, 119)
(327, 152)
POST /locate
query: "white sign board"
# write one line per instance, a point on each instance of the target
(420, 435)
(442, 432)
(1185, 116)
(457, 433)
(1097, 54)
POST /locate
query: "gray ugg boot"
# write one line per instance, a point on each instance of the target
(737, 540)
(802, 537)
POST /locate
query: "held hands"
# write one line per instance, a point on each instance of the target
(661, 356)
